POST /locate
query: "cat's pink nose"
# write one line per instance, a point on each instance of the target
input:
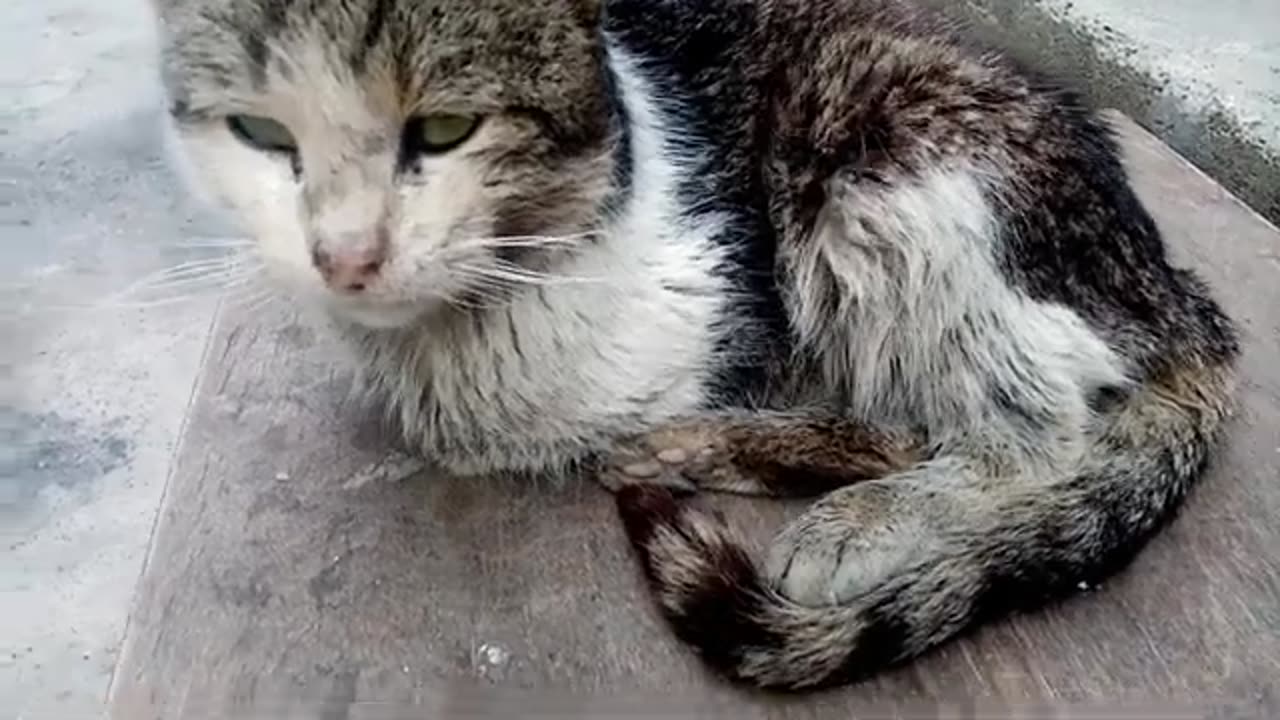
(350, 270)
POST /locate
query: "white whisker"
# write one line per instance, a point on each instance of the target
(524, 241)
(221, 260)
(520, 275)
(253, 301)
(116, 304)
(194, 268)
(184, 274)
(220, 280)
(191, 274)
(186, 281)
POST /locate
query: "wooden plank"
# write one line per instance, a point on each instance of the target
(286, 577)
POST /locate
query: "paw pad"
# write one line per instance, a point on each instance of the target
(669, 457)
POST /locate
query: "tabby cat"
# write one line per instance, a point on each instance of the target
(814, 248)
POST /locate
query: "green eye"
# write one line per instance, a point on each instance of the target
(262, 133)
(436, 134)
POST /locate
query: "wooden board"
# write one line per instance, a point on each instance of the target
(288, 578)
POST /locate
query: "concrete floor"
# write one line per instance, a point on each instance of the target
(1203, 76)
(1219, 57)
(93, 397)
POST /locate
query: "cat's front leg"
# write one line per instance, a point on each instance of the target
(800, 454)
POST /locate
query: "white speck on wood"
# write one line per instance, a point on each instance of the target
(494, 655)
(393, 468)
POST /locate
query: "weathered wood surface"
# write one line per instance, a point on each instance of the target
(286, 579)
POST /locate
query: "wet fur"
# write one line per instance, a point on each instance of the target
(829, 249)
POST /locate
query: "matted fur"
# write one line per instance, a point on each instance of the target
(788, 247)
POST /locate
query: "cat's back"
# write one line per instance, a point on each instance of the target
(799, 96)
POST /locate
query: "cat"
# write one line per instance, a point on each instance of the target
(814, 248)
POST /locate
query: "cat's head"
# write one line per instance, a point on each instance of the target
(394, 158)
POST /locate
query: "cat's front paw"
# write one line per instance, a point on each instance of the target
(678, 456)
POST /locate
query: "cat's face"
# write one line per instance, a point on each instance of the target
(394, 158)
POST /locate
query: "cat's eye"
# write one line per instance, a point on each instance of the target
(437, 134)
(263, 133)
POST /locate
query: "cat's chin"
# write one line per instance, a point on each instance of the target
(380, 315)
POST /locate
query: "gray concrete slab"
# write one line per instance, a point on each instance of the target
(296, 574)
(92, 394)
(1204, 77)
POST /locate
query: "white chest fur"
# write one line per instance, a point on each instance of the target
(565, 367)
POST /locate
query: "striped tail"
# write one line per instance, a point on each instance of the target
(1041, 543)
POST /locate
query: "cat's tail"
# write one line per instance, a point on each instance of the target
(1031, 544)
